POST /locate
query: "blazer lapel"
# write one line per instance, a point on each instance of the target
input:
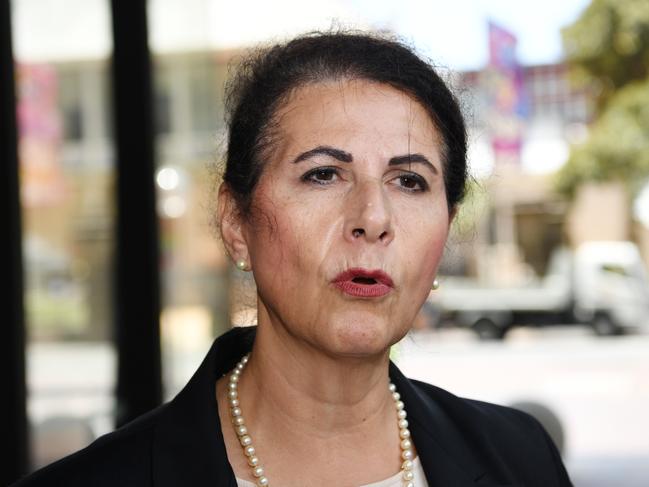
(445, 456)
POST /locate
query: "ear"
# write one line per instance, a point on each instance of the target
(231, 225)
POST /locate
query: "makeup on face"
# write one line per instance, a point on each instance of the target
(356, 197)
(364, 283)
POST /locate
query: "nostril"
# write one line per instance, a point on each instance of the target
(357, 232)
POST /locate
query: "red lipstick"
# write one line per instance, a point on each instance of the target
(363, 283)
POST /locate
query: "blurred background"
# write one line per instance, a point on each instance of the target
(544, 296)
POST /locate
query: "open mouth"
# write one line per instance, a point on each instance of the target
(363, 283)
(364, 280)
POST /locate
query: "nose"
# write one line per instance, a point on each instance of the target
(369, 215)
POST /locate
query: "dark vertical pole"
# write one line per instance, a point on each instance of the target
(139, 381)
(12, 332)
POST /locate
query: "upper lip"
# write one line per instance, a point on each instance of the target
(376, 274)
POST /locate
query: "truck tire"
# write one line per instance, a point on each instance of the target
(488, 330)
(603, 325)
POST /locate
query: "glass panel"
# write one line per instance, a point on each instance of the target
(162, 102)
(207, 112)
(69, 101)
(67, 177)
(189, 113)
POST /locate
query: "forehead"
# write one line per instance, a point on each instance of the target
(352, 112)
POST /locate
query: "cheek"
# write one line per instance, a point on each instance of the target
(431, 257)
(424, 242)
(280, 238)
(298, 227)
(435, 243)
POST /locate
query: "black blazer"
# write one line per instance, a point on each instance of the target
(460, 442)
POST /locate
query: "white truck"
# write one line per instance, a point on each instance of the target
(601, 284)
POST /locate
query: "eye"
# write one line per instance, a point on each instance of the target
(321, 175)
(411, 182)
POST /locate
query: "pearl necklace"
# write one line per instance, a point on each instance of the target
(241, 430)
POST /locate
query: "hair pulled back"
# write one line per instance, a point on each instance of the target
(265, 79)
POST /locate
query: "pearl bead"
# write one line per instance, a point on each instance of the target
(241, 430)
(407, 454)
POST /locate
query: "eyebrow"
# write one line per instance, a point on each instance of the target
(412, 158)
(344, 156)
(326, 150)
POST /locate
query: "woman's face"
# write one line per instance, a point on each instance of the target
(349, 217)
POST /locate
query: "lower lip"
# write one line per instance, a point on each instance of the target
(363, 290)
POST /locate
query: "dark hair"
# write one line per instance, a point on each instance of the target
(264, 80)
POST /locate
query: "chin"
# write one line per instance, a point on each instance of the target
(365, 337)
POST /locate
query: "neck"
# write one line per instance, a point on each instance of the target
(299, 383)
(315, 419)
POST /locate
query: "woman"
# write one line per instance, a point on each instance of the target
(346, 164)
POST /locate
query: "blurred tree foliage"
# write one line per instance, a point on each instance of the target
(607, 49)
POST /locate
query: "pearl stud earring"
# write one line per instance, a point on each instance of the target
(242, 265)
(435, 285)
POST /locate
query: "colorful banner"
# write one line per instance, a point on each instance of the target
(508, 104)
(39, 130)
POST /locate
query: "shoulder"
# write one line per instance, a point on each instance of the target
(483, 415)
(507, 442)
(122, 457)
